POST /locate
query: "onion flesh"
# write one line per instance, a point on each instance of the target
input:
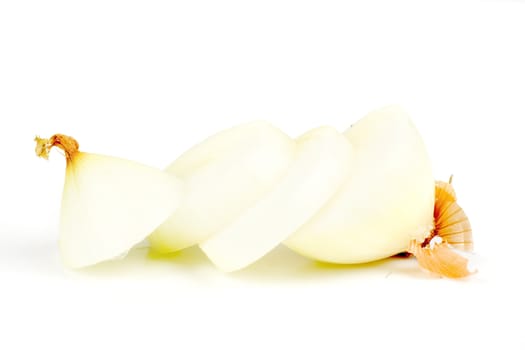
(322, 162)
(387, 200)
(223, 175)
(108, 204)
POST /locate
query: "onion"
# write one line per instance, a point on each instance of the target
(386, 201)
(355, 197)
(108, 204)
(223, 175)
(322, 162)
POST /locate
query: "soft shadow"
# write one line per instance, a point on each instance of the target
(32, 254)
(41, 256)
(282, 264)
(142, 262)
(192, 256)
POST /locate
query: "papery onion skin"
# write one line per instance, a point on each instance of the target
(452, 227)
(450, 221)
(440, 260)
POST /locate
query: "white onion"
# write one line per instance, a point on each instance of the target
(223, 175)
(387, 200)
(108, 204)
(355, 197)
(321, 164)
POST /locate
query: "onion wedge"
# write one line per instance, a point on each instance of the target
(108, 204)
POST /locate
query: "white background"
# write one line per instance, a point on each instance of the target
(147, 80)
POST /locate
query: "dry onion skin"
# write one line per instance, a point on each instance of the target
(353, 197)
(108, 204)
(451, 230)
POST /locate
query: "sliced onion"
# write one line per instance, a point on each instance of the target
(223, 175)
(322, 162)
(386, 202)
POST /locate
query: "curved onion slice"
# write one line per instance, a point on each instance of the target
(322, 162)
(108, 204)
(386, 202)
(223, 175)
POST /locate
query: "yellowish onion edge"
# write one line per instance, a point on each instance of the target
(451, 231)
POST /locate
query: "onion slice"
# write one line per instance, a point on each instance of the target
(321, 164)
(387, 200)
(223, 175)
(108, 204)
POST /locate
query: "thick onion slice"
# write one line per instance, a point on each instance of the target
(387, 200)
(322, 162)
(108, 204)
(223, 175)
